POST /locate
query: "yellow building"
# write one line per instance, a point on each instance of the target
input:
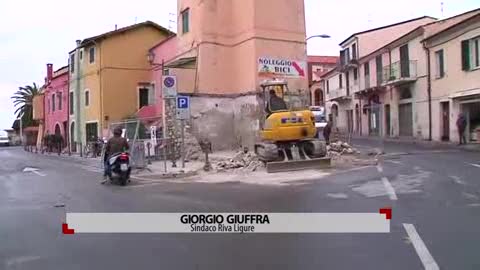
(110, 78)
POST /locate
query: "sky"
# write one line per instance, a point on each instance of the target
(36, 32)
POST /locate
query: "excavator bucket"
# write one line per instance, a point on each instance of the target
(298, 165)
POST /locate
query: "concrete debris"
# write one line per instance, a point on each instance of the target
(193, 151)
(336, 149)
(242, 160)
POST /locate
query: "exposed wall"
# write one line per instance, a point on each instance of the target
(226, 122)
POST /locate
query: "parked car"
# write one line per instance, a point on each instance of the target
(320, 118)
(4, 140)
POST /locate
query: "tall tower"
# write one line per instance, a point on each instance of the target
(230, 36)
(237, 44)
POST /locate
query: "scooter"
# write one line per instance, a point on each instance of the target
(120, 168)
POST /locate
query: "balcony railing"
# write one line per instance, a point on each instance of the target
(400, 72)
(338, 93)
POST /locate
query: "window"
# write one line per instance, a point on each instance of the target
(355, 74)
(70, 101)
(366, 68)
(91, 55)
(143, 95)
(87, 98)
(471, 54)
(379, 66)
(328, 87)
(354, 51)
(72, 63)
(440, 65)
(53, 102)
(340, 82)
(81, 55)
(186, 21)
(60, 96)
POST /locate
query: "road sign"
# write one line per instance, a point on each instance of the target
(183, 108)
(169, 86)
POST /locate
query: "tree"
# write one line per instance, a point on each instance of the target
(23, 102)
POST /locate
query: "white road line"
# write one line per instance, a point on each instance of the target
(380, 168)
(474, 165)
(394, 162)
(422, 251)
(390, 190)
(39, 173)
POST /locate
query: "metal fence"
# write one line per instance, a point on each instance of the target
(146, 139)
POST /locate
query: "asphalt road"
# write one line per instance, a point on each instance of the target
(434, 193)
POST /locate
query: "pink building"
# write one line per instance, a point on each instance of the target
(56, 102)
(317, 67)
(221, 54)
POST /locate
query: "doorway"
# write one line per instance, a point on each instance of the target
(445, 120)
(405, 118)
(387, 121)
(350, 121)
(91, 131)
(73, 145)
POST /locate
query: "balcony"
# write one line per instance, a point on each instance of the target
(400, 72)
(340, 93)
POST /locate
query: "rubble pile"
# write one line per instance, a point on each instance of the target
(242, 160)
(193, 151)
(339, 148)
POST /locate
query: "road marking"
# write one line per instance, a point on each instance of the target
(390, 190)
(394, 162)
(39, 173)
(474, 165)
(422, 251)
(457, 180)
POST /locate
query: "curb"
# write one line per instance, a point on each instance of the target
(153, 177)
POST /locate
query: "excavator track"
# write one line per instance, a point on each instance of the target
(295, 156)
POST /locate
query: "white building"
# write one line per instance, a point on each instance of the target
(392, 91)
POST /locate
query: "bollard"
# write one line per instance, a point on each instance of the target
(206, 146)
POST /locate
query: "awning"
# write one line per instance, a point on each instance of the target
(467, 93)
(182, 62)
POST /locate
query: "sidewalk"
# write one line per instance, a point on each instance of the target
(472, 147)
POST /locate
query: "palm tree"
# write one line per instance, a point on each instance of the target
(23, 101)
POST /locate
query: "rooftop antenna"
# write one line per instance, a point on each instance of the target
(442, 9)
(170, 22)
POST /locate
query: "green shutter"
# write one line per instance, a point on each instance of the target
(466, 55)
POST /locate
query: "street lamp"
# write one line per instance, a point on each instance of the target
(318, 36)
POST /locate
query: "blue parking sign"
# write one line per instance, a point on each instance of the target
(183, 108)
(183, 103)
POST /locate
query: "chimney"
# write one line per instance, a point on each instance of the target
(115, 27)
(78, 42)
(49, 72)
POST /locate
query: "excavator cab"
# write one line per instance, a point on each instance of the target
(287, 134)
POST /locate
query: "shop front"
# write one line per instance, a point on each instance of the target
(469, 104)
(471, 110)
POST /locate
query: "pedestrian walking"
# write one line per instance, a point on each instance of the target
(327, 130)
(461, 126)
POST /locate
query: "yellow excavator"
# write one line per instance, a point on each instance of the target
(288, 135)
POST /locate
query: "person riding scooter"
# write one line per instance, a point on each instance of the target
(116, 144)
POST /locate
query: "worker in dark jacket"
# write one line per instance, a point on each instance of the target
(461, 126)
(327, 130)
(116, 144)
(276, 103)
